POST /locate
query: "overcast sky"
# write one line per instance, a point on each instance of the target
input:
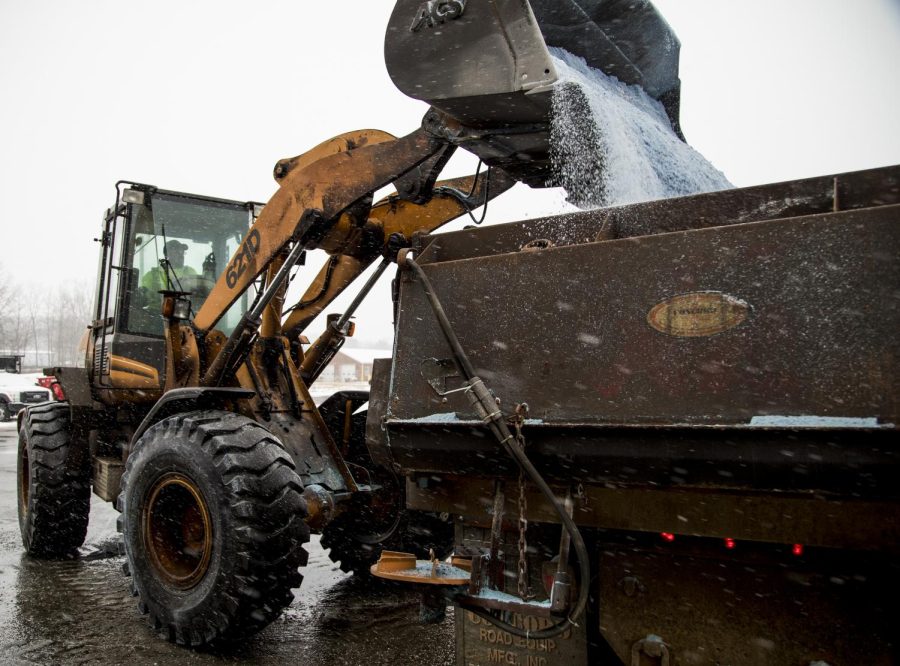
(205, 96)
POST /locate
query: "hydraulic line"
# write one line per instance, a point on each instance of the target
(498, 427)
(487, 194)
(326, 285)
(367, 287)
(235, 349)
(332, 339)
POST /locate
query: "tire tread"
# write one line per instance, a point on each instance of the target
(267, 514)
(55, 524)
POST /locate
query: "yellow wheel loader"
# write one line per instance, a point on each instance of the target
(654, 434)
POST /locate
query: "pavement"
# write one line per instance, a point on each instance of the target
(80, 611)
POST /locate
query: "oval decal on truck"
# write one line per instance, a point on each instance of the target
(698, 314)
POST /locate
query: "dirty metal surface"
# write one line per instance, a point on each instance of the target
(729, 609)
(810, 196)
(378, 396)
(838, 462)
(785, 518)
(566, 329)
(481, 644)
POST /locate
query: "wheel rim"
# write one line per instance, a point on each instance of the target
(177, 531)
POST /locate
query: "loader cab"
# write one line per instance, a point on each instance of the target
(156, 240)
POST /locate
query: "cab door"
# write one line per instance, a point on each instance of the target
(127, 355)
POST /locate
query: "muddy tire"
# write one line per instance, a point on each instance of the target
(372, 524)
(214, 526)
(54, 487)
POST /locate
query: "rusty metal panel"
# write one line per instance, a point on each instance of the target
(566, 329)
(840, 463)
(787, 518)
(811, 196)
(375, 439)
(712, 609)
(480, 643)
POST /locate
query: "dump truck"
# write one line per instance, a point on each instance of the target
(706, 386)
(653, 434)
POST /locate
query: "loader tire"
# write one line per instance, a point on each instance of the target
(214, 525)
(379, 522)
(54, 487)
(5, 412)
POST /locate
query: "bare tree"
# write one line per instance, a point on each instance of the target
(45, 324)
(10, 313)
(73, 311)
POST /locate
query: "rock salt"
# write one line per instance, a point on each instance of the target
(613, 144)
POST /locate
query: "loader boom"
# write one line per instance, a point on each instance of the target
(311, 209)
(311, 196)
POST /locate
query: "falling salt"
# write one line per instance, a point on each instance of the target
(613, 144)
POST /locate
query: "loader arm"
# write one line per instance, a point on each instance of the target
(311, 197)
(449, 199)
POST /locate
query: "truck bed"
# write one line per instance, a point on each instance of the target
(741, 343)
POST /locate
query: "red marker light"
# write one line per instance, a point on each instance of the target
(667, 536)
(729, 543)
(797, 549)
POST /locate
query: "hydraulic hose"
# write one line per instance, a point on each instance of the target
(501, 431)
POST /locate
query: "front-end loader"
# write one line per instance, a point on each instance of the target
(193, 412)
(508, 409)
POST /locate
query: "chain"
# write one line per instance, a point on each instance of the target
(518, 422)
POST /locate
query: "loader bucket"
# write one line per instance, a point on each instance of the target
(486, 64)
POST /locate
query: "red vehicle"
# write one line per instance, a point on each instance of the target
(50, 382)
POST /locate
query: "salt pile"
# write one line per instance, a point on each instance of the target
(613, 144)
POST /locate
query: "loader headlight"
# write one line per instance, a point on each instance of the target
(133, 197)
(182, 309)
(175, 307)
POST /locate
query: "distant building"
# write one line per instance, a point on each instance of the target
(29, 359)
(352, 365)
(11, 362)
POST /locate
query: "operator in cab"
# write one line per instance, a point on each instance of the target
(158, 278)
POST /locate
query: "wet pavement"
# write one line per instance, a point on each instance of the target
(80, 611)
